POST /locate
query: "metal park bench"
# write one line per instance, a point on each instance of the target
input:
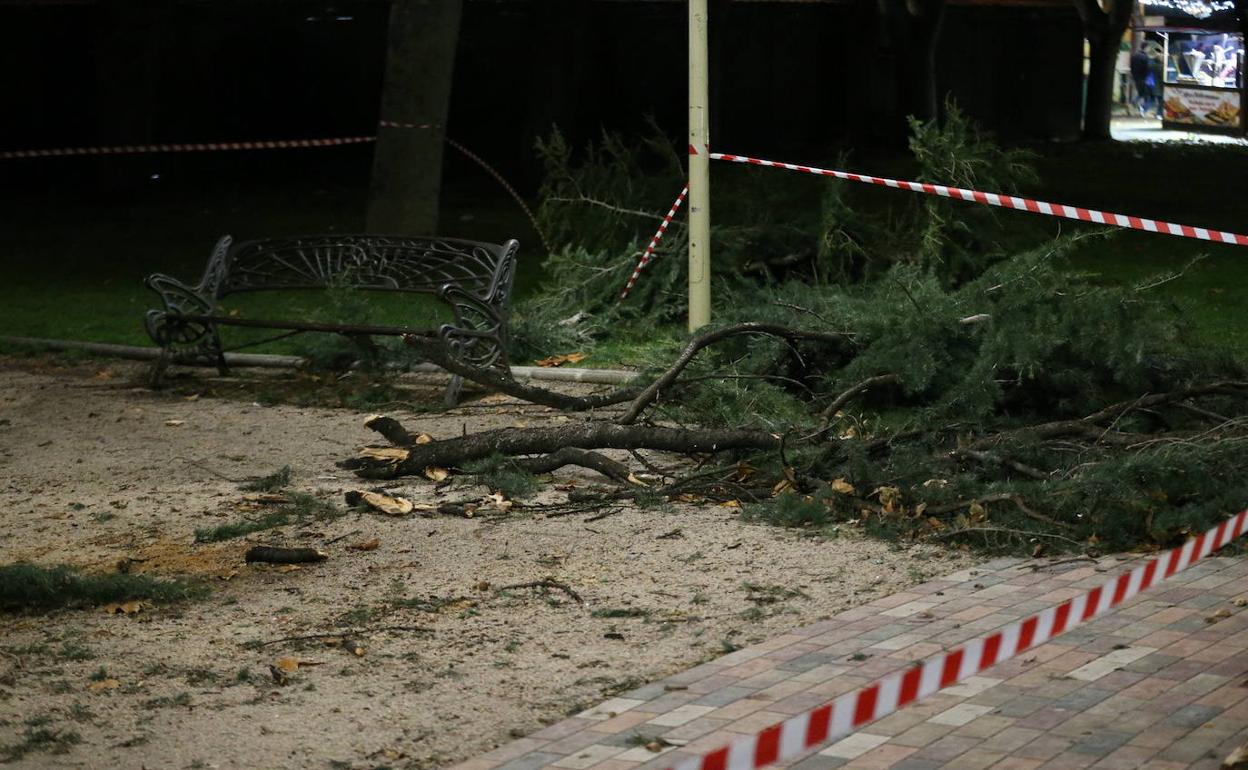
(473, 279)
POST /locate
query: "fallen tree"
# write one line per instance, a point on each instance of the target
(913, 376)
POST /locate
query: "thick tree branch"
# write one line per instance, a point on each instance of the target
(704, 339)
(530, 441)
(434, 350)
(390, 429)
(825, 417)
(1087, 425)
(571, 456)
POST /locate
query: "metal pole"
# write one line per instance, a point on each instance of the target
(699, 171)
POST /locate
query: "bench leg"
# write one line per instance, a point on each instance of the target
(156, 376)
(222, 368)
(453, 391)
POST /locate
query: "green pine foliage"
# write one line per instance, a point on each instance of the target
(998, 348)
(28, 587)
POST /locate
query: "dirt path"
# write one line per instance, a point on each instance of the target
(94, 470)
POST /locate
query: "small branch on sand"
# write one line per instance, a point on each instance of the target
(545, 583)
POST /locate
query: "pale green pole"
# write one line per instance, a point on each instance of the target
(699, 171)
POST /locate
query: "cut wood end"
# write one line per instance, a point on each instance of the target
(391, 454)
(1237, 759)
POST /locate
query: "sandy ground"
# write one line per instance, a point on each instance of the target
(94, 470)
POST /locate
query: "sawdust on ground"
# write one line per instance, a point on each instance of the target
(99, 472)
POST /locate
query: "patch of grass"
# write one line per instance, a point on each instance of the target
(620, 612)
(40, 738)
(499, 474)
(790, 511)
(102, 516)
(181, 699)
(80, 713)
(771, 594)
(27, 587)
(302, 508)
(75, 650)
(198, 676)
(234, 529)
(279, 479)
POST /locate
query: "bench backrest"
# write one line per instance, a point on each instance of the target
(396, 263)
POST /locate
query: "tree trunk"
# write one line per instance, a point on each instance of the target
(1103, 30)
(1102, 55)
(407, 166)
(925, 19)
(128, 65)
(913, 30)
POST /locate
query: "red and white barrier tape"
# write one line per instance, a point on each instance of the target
(133, 149)
(654, 242)
(1009, 202)
(842, 716)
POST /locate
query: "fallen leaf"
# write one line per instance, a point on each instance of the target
(434, 473)
(424, 438)
(365, 545)
(288, 664)
(289, 568)
(1237, 759)
(388, 453)
(267, 498)
(227, 575)
(393, 506)
(174, 423)
(632, 479)
(782, 486)
(497, 500)
(730, 504)
(1240, 602)
(125, 608)
(481, 585)
(192, 397)
(889, 497)
(104, 684)
(843, 487)
(1221, 614)
(560, 360)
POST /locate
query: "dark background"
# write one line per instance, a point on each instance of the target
(788, 78)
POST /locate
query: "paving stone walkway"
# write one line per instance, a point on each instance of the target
(1159, 683)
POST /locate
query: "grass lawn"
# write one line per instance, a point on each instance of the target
(74, 261)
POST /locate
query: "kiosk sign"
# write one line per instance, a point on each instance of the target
(1201, 107)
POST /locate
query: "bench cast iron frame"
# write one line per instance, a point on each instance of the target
(474, 279)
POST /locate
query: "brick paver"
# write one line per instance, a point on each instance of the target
(1161, 682)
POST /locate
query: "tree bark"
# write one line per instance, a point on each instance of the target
(531, 441)
(128, 68)
(914, 33)
(407, 166)
(1103, 29)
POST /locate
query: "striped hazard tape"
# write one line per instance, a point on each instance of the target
(135, 149)
(845, 714)
(654, 242)
(1008, 201)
